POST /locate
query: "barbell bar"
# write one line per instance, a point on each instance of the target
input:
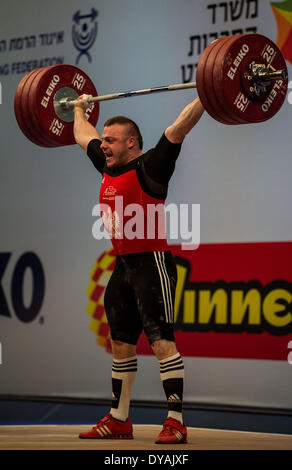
(240, 79)
(127, 94)
(261, 75)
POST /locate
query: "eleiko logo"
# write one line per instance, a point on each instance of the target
(84, 32)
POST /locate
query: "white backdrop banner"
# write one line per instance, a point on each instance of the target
(233, 308)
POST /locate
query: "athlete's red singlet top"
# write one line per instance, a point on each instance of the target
(132, 197)
(134, 220)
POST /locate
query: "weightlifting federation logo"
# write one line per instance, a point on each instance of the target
(84, 32)
(283, 15)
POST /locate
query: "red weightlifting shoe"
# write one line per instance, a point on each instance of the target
(173, 432)
(109, 428)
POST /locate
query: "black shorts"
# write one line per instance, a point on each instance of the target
(140, 296)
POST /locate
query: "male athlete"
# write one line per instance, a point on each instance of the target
(140, 293)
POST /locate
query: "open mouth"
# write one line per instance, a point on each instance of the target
(107, 154)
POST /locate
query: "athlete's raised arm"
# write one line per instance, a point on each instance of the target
(84, 132)
(186, 120)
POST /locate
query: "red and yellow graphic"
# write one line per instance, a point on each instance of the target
(100, 274)
(233, 300)
(283, 15)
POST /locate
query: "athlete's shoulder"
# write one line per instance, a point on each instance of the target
(96, 155)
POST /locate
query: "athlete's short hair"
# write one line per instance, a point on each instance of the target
(123, 120)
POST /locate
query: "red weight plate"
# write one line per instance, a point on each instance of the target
(230, 68)
(201, 83)
(28, 110)
(43, 90)
(25, 128)
(28, 113)
(220, 81)
(210, 78)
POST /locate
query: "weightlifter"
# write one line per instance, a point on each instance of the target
(140, 293)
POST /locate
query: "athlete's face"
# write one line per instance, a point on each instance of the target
(116, 144)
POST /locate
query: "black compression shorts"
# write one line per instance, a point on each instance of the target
(140, 296)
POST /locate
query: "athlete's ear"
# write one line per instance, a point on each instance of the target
(131, 143)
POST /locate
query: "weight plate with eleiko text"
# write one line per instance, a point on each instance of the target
(27, 110)
(234, 90)
(23, 124)
(201, 84)
(43, 91)
(209, 79)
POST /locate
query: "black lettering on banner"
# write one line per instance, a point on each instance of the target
(59, 37)
(26, 261)
(27, 42)
(232, 307)
(255, 7)
(3, 45)
(251, 29)
(194, 39)
(27, 66)
(15, 44)
(4, 309)
(22, 43)
(234, 10)
(190, 68)
(230, 11)
(48, 39)
(4, 69)
(199, 42)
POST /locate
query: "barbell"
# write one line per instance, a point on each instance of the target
(240, 79)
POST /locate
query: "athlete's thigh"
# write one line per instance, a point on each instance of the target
(121, 308)
(155, 291)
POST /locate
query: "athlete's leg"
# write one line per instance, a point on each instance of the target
(172, 376)
(163, 348)
(124, 369)
(125, 327)
(122, 350)
(155, 291)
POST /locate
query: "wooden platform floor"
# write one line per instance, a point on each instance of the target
(63, 437)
